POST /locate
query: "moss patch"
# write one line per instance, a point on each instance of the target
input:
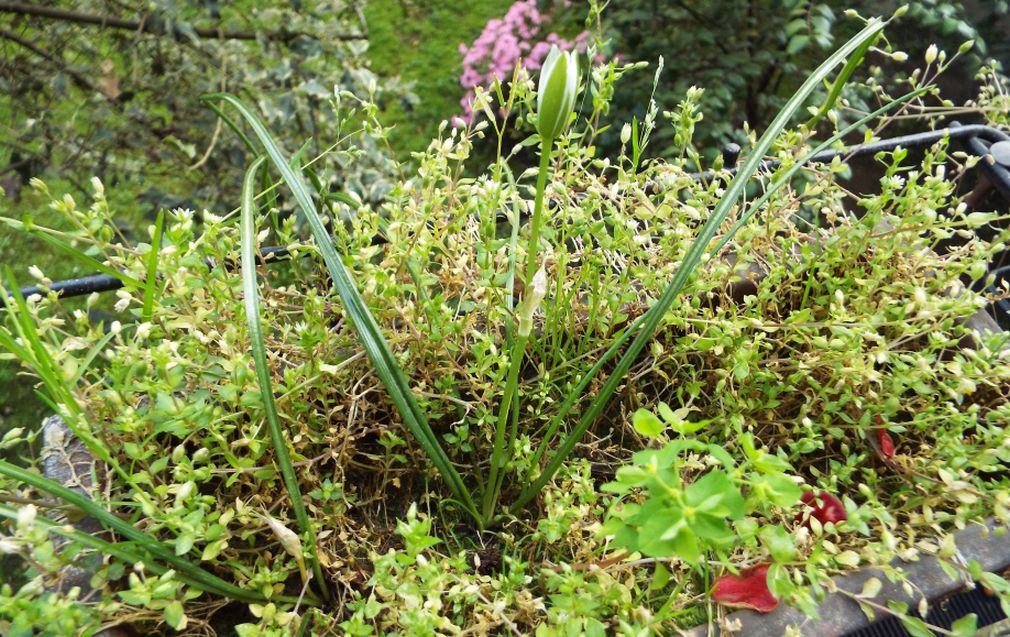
(419, 41)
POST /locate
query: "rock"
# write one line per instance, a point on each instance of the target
(66, 460)
(1000, 152)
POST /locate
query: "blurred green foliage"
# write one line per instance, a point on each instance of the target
(749, 55)
(120, 100)
(418, 40)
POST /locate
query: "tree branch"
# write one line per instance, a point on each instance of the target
(153, 27)
(78, 78)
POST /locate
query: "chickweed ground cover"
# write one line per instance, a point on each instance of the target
(534, 403)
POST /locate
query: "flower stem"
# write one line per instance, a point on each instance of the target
(509, 398)
(538, 210)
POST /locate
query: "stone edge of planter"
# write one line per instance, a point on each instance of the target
(66, 460)
(981, 542)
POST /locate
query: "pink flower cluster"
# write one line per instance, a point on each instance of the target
(503, 43)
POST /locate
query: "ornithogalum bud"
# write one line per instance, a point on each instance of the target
(559, 85)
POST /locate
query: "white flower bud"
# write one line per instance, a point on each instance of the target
(143, 330)
(26, 516)
(184, 492)
(288, 538)
(931, 54)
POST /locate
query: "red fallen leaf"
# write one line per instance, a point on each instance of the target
(825, 507)
(886, 443)
(749, 589)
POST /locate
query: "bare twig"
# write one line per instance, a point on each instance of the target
(78, 79)
(153, 26)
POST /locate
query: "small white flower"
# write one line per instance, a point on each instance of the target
(144, 329)
(26, 516)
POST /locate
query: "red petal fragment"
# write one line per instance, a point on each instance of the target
(825, 507)
(886, 443)
(749, 589)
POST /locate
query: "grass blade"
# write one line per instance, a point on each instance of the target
(32, 352)
(371, 337)
(250, 293)
(85, 363)
(150, 279)
(692, 259)
(81, 257)
(843, 77)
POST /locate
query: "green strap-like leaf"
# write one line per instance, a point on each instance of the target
(151, 275)
(692, 259)
(361, 318)
(843, 77)
(250, 293)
